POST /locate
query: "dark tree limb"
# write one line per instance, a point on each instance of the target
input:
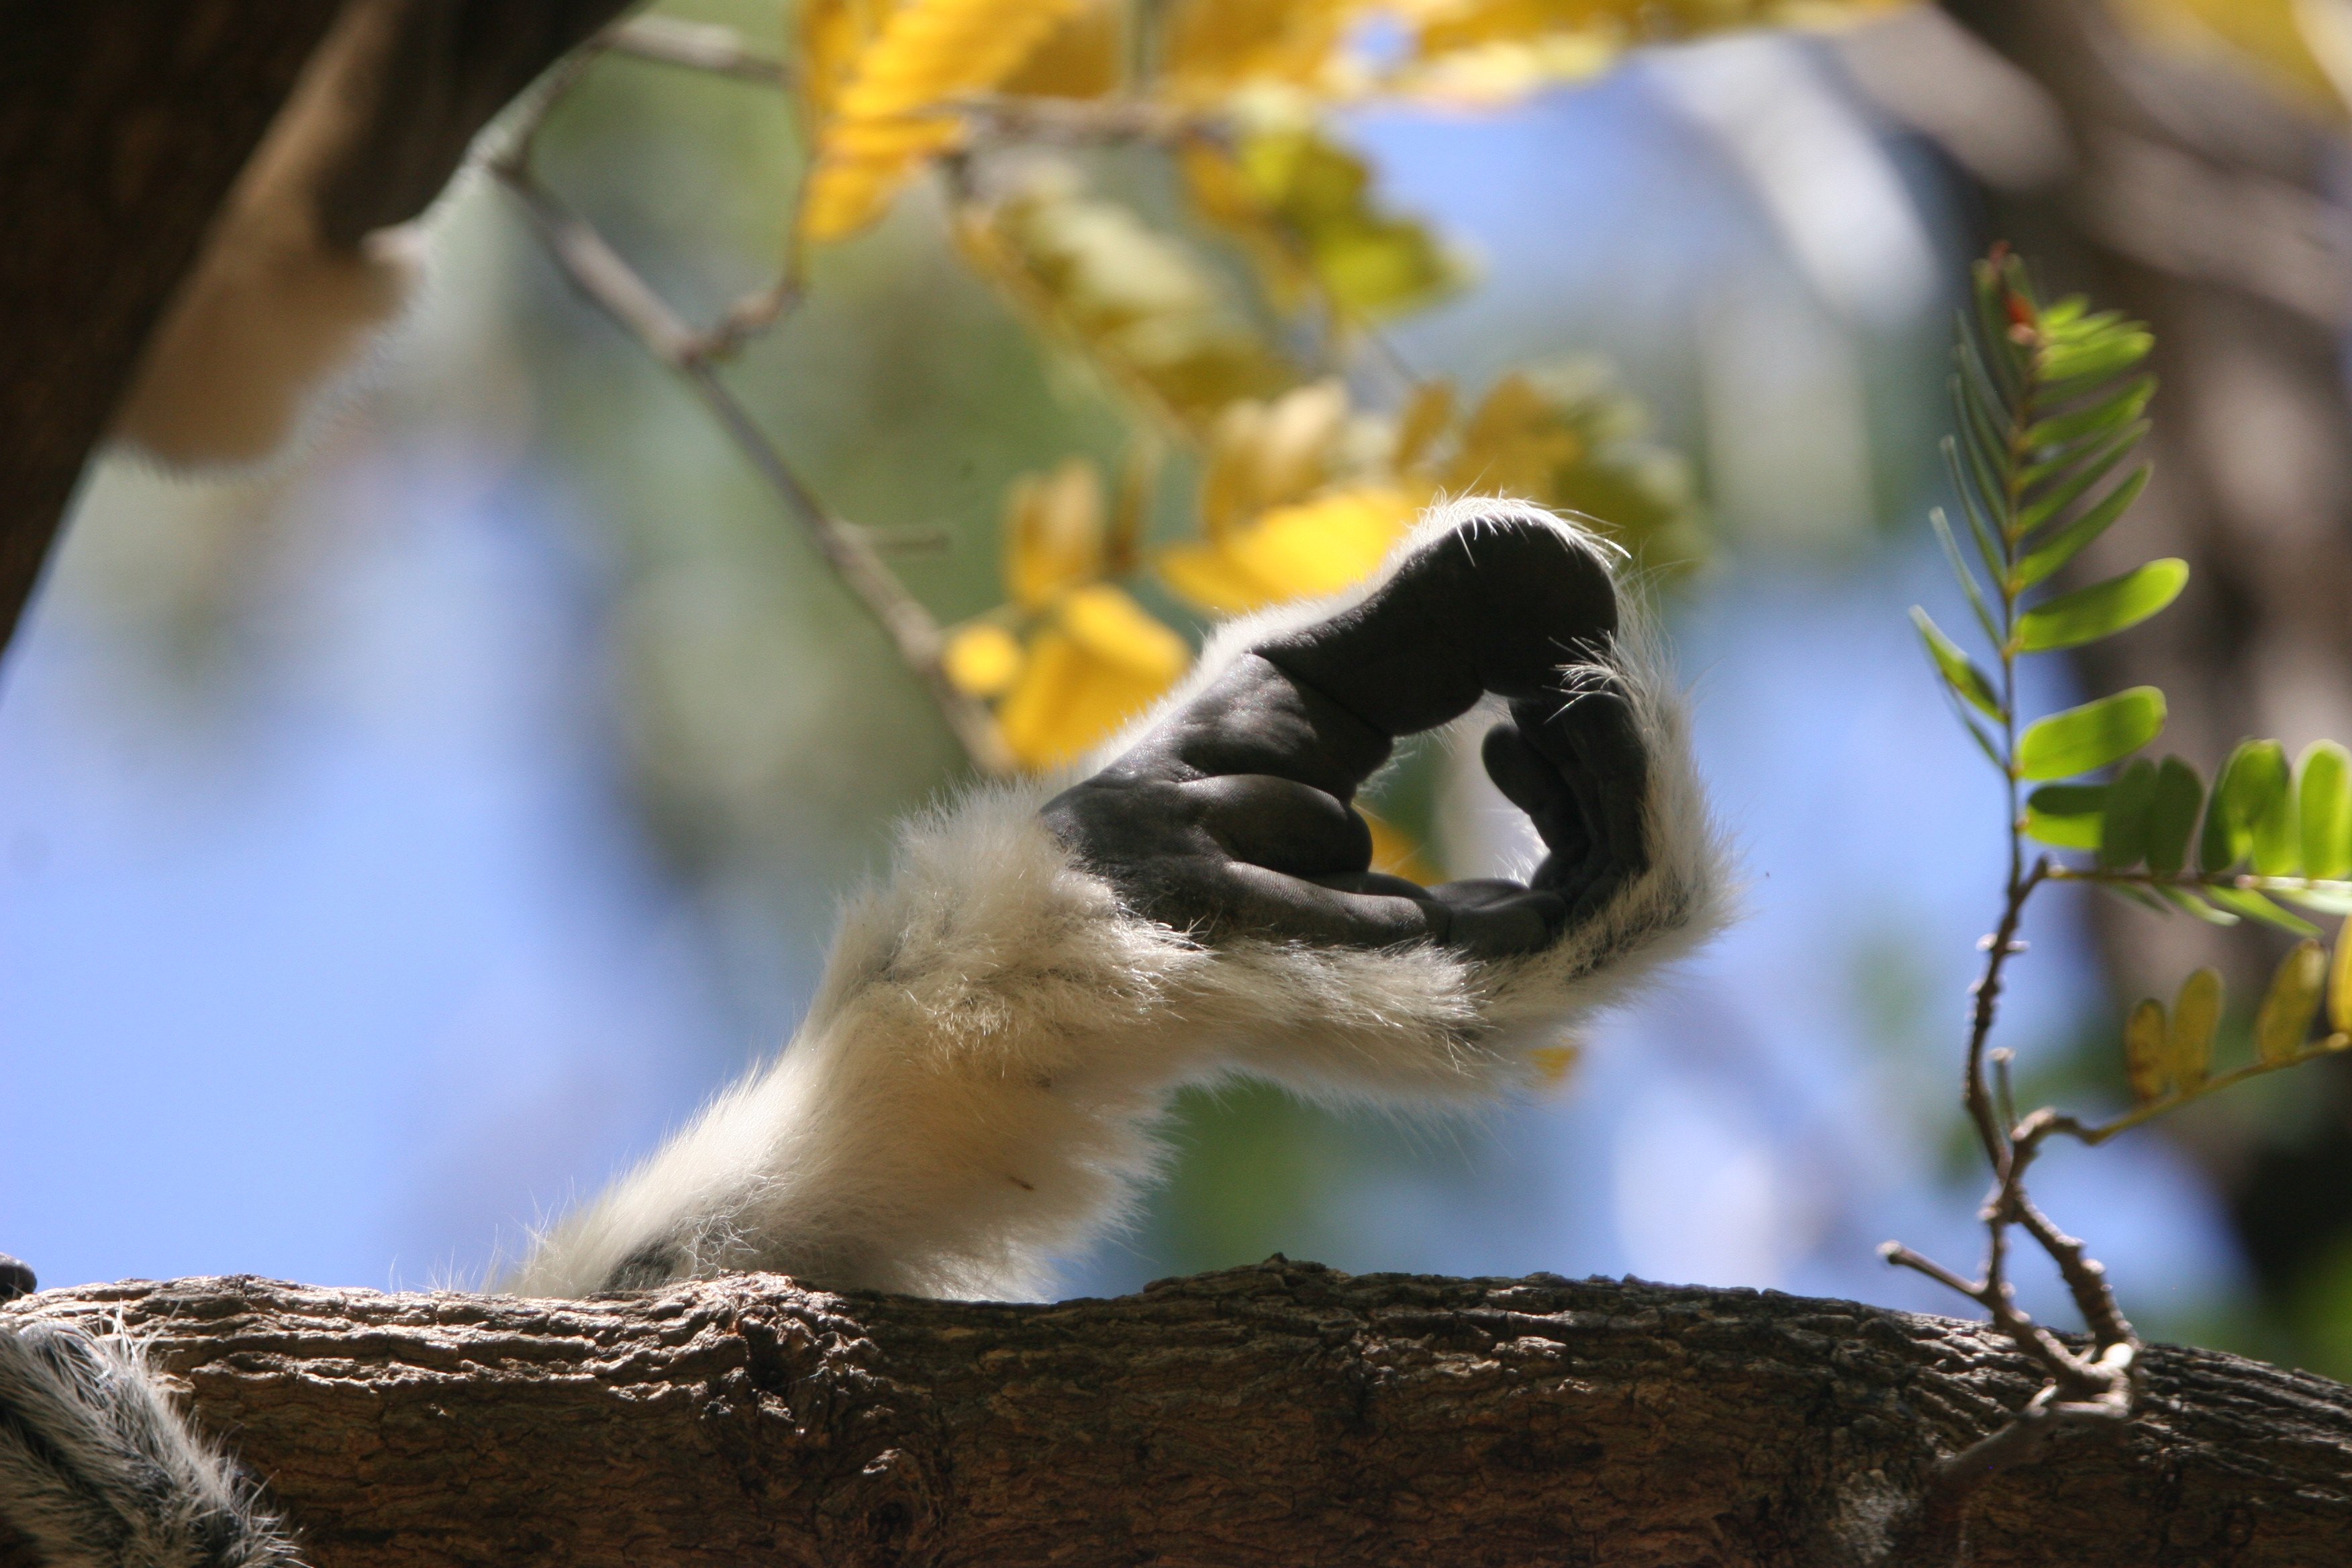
(1279, 1414)
(122, 124)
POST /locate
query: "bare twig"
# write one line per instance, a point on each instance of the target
(599, 272)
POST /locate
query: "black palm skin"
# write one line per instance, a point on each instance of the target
(1234, 817)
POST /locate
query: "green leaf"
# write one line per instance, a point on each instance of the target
(2123, 838)
(2253, 906)
(2067, 817)
(2091, 735)
(2119, 407)
(2249, 776)
(2189, 903)
(2324, 796)
(1943, 527)
(1988, 544)
(2045, 507)
(2073, 463)
(1985, 743)
(2283, 1022)
(2172, 815)
(2330, 898)
(2103, 609)
(2195, 1014)
(2143, 1051)
(2107, 353)
(2262, 804)
(2063, 545)
(1959, 672)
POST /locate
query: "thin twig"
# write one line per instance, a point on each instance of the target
(600, 273)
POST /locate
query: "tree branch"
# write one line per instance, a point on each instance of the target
(1277, 1414)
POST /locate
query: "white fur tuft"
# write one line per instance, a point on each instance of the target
(974, 1089)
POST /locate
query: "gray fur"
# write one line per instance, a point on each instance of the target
(97, 1471)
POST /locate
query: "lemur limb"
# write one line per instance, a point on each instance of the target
(1003, 1021)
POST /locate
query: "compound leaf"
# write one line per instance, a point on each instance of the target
(2102, 609)
(2091, 735)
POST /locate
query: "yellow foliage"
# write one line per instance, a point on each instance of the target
(1396, 853)
(1214, 47)
(1569, 440)
(1553, 1064)
(1303, 206)
(893, 107)
(1137, 301)
(1493, 50)
(1054, 533)
(1313, 547)
(1099, 661)
(1094, 658)
(982, 660)
(1083, 57)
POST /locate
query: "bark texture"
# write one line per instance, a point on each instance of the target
(1283, 1413)
(122, 124)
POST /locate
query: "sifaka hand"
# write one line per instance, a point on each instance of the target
(1233, 816)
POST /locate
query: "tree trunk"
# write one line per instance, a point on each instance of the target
(122, 124)
(1283, 1413)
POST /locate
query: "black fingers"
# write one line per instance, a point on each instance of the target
(1495, 606)
(1575, 764)
(16, 1278)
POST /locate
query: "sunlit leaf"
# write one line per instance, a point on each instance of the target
(2188, 902)
(1083, 57)
(888, 115)
(1396, 853)
(2172, 815)
(1101, 661)
(2067, 542)
(2196, 1016)
(1426, 416)
(2324, 804)
(1054, 533)
(2103, 354)
(2339, 984)
(2103, 609)
(2091, 736)
(1969, 683)
(2145, 1050)
(982, 660)
(2113, 410)
(2071, 464)
(2283, 1022)
(2254, 906)
(2067, 817)
(1306, 209)
(2052, 503)
(2124, 834)
(1313, 548)
(2332, 898)
(2255, 772)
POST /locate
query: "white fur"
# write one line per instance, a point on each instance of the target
(974, 1089)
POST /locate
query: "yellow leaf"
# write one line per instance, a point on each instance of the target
(2282, 1024)
(1053, 532)
(1137, 301)
(1212, 47)
(1069, 697)
(982, 660)
(1316, 547)
(893, 108)
(1425, 418)
(1122, 635)
(830, 34)
(2339, 985)
(2296, 46)
(2195, 1014)
(2145, 1050)
(1568, 439)
(1080, 59)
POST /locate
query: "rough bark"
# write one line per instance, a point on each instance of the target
(1283, 1413)
(122, 124)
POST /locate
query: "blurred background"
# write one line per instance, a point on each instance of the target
(397, 840)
